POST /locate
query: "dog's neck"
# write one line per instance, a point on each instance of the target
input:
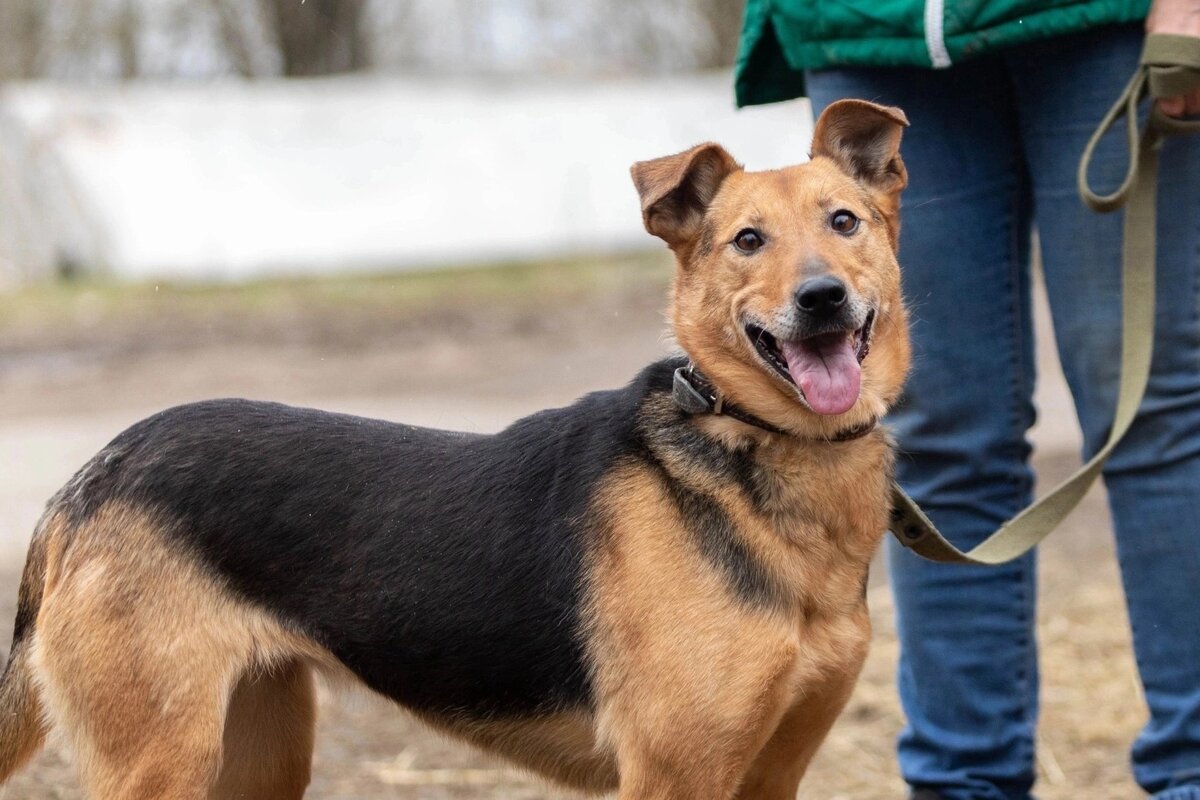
(810, 495)
(693, 392)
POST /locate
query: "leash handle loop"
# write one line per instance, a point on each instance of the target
(1126, 106)
(1170, 66)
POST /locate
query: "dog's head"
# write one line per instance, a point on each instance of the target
(787, 288)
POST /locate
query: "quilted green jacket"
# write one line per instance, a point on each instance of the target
(782, 38)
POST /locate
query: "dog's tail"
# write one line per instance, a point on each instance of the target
(23, 726)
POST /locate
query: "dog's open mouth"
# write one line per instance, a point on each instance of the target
(826, 368)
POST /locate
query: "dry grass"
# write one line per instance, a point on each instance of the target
(338, 309)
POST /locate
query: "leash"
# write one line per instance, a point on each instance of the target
(1169, 66)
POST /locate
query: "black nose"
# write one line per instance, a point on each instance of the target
(822, 296)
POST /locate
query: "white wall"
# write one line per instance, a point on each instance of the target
(233, 181)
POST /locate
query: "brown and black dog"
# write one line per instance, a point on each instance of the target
(658, 589)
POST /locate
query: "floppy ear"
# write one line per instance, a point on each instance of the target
(864, 140)
(676, 190)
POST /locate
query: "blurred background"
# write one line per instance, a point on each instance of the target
(418, 210)
(238, 139)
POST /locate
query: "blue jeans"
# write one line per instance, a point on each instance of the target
(992, 151)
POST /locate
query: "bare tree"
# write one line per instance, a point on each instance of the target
(22, 38)
(126, 33)
(639, 36)
(235, 38)
(724, 20)
(105, 39)
(318, 37)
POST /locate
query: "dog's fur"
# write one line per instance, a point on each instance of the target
(616, 595)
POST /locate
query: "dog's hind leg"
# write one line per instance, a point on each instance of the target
(146, 721)
(140, 651)
(269, 735)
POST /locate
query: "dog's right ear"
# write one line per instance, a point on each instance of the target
(676, 190)
(863, 138)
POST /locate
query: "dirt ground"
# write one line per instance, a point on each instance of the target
(473, 350)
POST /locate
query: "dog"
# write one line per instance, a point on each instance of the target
(658, 590)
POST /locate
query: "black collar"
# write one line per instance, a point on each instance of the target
(695, 394)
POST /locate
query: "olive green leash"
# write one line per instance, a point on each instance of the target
(1169, 67)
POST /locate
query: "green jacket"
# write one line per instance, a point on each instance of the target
(782, 38)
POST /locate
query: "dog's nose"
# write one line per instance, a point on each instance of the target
(821, 297)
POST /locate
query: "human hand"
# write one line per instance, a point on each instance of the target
(1181, 17)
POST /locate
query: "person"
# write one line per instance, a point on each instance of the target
(998, 126)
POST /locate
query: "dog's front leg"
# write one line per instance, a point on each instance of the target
(779, 767)
(688, 723)
(697, 751)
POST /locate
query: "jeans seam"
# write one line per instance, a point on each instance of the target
(1195, 273)
(1021, 391)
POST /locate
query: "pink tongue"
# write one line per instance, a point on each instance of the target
(826, 370)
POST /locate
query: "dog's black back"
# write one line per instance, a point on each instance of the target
(443, 568)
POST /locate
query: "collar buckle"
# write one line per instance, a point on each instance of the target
(688, 397)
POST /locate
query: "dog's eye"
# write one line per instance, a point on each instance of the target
(748, 240)
(843, 221)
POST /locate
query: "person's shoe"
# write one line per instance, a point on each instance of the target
(924, 794)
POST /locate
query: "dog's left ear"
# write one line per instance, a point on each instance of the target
(864, 140)
(677, 190)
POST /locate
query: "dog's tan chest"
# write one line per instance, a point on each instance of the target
(831, 647)
(828, 514)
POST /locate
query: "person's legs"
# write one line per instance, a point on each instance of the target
(1153, 478)
(968, 666)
